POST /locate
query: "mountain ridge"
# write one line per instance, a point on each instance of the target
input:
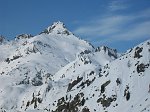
(56, 71)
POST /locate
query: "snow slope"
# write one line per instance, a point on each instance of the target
(57, 72)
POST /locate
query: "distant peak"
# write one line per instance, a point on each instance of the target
(2, 39)
(57, 28)
(23, 36)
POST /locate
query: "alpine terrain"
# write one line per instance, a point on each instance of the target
(55, 71)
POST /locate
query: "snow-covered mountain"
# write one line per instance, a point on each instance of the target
(56, 71)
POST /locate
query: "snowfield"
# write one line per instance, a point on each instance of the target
(56, 71)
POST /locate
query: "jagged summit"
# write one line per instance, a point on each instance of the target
(58, 24)
(57, 28)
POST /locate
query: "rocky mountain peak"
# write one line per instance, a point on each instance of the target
(57, 28)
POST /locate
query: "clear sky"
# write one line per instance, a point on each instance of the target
(119, 24)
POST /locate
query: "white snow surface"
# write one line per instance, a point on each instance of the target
(57, 72)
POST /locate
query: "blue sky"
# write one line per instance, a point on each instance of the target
(119, 24)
